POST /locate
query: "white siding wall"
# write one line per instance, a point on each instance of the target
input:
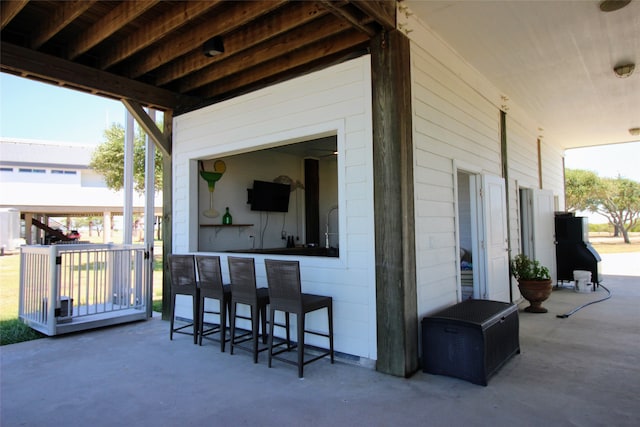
(456, 122)
(553, 171)
(454, 126)
(522, 152)
(522, 149)
(333, 101)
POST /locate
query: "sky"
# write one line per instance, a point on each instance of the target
(34, 110)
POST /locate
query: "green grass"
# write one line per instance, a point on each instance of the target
(14, 331)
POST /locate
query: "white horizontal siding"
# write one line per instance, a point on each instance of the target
(522, 154)
(456, 124)
(336, 101)
(553, 171)
(524, 167)
(452, 122)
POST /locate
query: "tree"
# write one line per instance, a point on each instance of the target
(620, 204)
(108, 160)
(91, 222)
(617, 199)
(582, 189)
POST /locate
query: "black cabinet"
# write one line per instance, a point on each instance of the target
(470, 340)
(573, 251)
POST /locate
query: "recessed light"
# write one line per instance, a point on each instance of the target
(613, 5)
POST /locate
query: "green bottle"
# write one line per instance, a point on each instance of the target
(226, 218)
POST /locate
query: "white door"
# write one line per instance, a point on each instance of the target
(544, 248)
(495, 244)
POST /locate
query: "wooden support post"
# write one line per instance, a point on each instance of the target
(167, 208)
(396, 301)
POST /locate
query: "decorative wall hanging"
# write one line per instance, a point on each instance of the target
(211, 171)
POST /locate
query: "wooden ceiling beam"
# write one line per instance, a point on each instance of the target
(149, 126)
(237, 15)
(29, 63)
(64, 13)
(341, 12)
(108, 25)
(238, 41)
(381, 11)
(9, 10)
(340, 43)
(179, 15)
(297, 38)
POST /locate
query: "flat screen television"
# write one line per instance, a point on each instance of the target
(269, 196)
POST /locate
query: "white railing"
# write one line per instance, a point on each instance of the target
(90, 286)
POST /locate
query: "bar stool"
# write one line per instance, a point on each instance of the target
(211, 286)
(183, 282)
(285, 294)
(244, 291)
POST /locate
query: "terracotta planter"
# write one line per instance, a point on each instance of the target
(535, 291)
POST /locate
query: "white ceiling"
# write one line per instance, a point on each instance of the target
(554, 59)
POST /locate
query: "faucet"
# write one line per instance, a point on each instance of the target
(327, 233)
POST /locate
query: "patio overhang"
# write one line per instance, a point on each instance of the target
(555, 60)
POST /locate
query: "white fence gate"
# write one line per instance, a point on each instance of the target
(88, 286)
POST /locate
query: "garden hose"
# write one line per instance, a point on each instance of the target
(564, 316)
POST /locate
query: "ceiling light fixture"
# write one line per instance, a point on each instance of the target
(213, 47)
(624, 70)
(613, 5)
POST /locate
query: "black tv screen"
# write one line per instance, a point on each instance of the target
(270, 197)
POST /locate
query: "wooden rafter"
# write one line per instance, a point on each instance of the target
(338, 9)
(239, 15)
(64, 14)
(340, 43)
(381, 11)
(179, 15)
(271, 49)
(236, 42)
(108, 25)
(9, 10)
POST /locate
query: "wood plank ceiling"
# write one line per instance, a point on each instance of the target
(151, 51)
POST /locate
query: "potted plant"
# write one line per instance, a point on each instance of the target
(534, 281)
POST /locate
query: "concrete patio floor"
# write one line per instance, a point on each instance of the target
(583, 370)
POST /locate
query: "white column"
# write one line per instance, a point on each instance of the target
(127, 216)
(149, 208)
(149, 187)
(28, 229)
(106, 227)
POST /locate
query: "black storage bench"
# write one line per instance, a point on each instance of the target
(470, 340)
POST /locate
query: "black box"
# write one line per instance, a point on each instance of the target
(470, 340)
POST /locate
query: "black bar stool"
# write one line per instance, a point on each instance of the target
(285, 294)
(183, 282)
(211, 286)
(244, 291)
